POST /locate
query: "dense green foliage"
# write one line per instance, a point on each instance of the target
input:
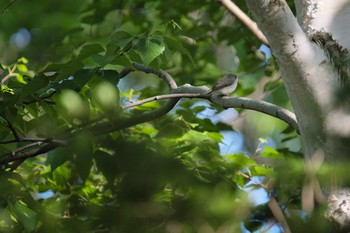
(103, 168)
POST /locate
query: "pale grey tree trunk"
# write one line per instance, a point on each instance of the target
(312, 52)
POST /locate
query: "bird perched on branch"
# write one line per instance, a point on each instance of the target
(225, 85)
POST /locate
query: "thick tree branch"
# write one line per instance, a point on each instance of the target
(260, 106)
(18, 156)
(232, 102)
(103, 127)
(168, 96)
(251, 25)
(161, 74)
(148, 70)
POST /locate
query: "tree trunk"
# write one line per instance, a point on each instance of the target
(312, 52)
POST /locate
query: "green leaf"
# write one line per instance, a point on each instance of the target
(121, 38)
(109, 75)
(271, 153)
(22, 68)
(106, 163)
(61, 175)
(176, 45)
(24, 215)
(83, 76)
(57, 157)
(11, 184)
(69, 69)
(149, 49)
(241, 160)
(83, 155)
(148, 106)
(20, 79)
(34, 85)
(6, 89)
(172, 130)
(89, 50)
(216, 136)
(273, 84)
(22, 60)
(260, 171)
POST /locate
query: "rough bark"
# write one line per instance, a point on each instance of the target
(304, 67)
(312, 52)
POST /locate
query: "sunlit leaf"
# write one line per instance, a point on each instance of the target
(22, 68)
(241, 160)
(270, 153)
(149, 49)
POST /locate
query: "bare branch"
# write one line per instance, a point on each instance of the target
(5, 9)
(260, 106)
(161, 74)
(272, 204)
(232, 102)
(26, 140)
(118, 124)
(34, 152)
(99, 127)
(251, 25)
(25, 147)
(125, 72)
(278, 214)
(169, 96)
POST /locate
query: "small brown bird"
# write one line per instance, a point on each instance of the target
(226, 85)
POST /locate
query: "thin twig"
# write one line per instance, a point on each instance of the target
(272, 204)
(5, 9)
(161, 74)
(162, 97)
(118, 124)
(38, 151)
(9, 75)
(13, 130)
(25, 147)
(25, 140)
(251, 25)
